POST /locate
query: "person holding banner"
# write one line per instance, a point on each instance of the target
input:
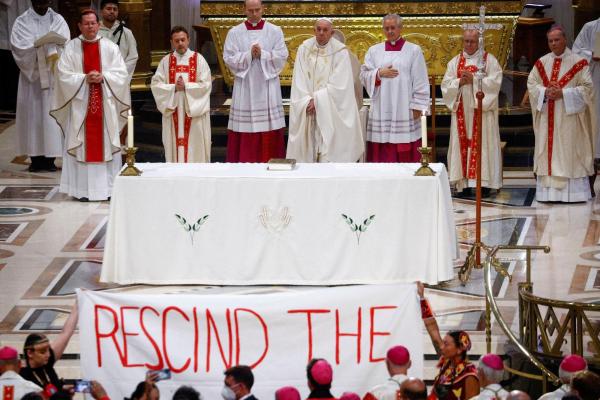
(457, 378)
(320, 376)
(41, 355)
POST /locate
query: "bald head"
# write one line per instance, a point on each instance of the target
(470, 41)
(413, 389)
(518, 395)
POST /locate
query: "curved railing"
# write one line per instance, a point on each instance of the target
(492, 308)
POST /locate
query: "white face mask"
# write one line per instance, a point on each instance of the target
(227, 393)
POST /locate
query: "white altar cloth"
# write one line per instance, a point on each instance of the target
(245, 225)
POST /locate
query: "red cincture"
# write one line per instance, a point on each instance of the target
(94, 122)
(463, 141)
(191, 70)
(561, 83)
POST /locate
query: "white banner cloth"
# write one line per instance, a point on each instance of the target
(320, 224)
(198, 336)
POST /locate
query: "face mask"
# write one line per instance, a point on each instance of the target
(227, 393)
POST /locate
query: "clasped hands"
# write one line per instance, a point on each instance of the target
(180, 84)
(465, 79)
(94, 77)
(255, 50)
(554, 92)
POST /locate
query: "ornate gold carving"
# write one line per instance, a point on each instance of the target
(227, 8)
(439, 37)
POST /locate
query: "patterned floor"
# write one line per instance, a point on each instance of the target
(50, 245)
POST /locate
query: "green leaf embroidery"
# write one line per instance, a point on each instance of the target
(191, 228)
(356, 228)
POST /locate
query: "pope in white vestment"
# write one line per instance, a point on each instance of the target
(561, 94)
(459, 89)
(395, 77)
(181, 87)
(584, 45)
(37, 40)
(324, 121)
(89, 106)
(255, 52)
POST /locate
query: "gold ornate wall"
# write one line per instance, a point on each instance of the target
(439, 37)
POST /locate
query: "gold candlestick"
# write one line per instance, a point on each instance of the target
(425, 169)
(131, 169)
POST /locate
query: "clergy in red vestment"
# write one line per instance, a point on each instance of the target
(395, 77)
(181, 87)
(89, 106)
(255, 52)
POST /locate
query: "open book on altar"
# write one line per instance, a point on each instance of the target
(50, 38)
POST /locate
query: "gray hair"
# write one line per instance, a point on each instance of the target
(395, 17)
(566, 376)
(491, 374)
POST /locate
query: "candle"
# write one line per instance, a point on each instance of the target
(423, 129)
(129, 129)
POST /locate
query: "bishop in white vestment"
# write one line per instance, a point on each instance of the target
(584, 45)
(459, 88)
(181, 87)
(255, 52)
(90, 107)
(324, 121)
(37, 40)
(560, 91)
(395, 77)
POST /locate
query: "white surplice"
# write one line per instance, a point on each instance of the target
(573, 132)
(194, 102)
(493, 391)
(37, 132)
(390, 116)
(491, 155)
(324, 74)
(584, 46)
(80, 178)
(256, 101)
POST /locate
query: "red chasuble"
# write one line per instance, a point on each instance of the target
(94, 123)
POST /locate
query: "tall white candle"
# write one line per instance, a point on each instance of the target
(423, 129)
(129, 129)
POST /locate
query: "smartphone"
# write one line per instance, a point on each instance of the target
(161, 374)
(83, 386)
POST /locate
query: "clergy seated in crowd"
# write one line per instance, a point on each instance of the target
(459, 90)
(397, 363)
(560, 91)
(10, 381)
(324, 121)
(37, 40)
(395, 77)
(114, 30)
(90, 102)
(255, 52)
(490, 372)
(584, 46)
(181, 87)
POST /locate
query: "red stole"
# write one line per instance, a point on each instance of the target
(190, 69)
(562, 83)
(94, 122)
(463, 141)
(8, 393)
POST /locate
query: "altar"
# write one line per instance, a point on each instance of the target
(240, 224)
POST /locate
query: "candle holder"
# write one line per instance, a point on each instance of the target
(131, 169)
(425, 169)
